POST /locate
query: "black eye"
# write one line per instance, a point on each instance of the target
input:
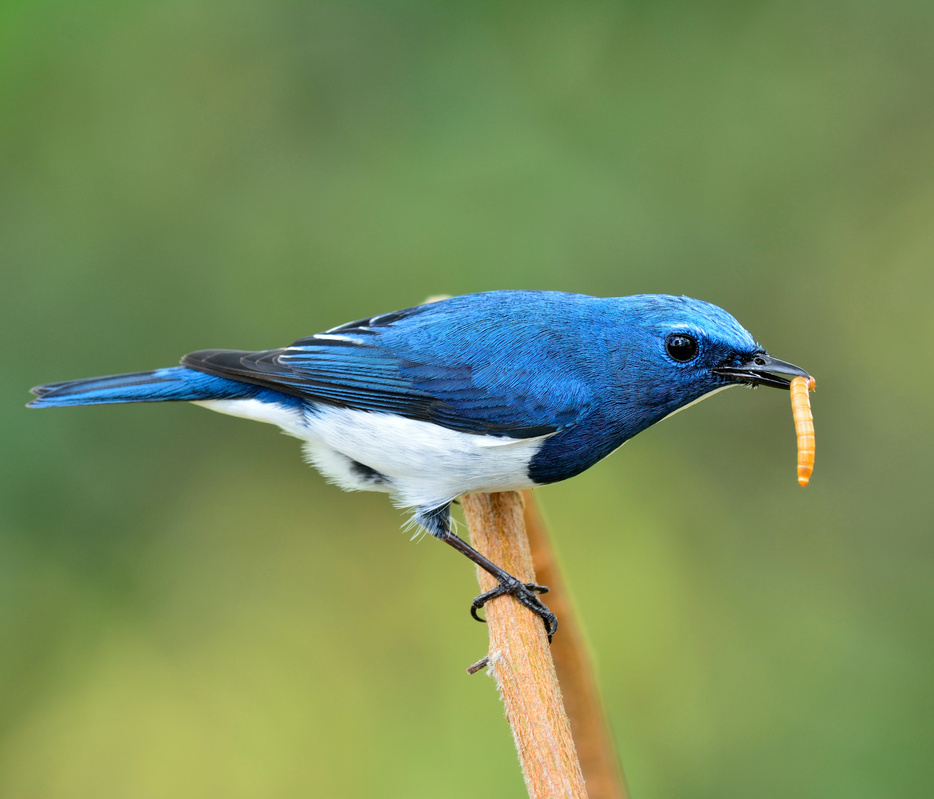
(681, 346)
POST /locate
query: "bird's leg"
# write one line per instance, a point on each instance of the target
(437, 522)
(526, 593)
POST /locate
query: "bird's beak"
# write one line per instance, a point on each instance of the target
(762, 370)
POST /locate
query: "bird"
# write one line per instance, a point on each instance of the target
(494, 391)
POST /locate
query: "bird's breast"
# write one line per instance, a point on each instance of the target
(419, 462)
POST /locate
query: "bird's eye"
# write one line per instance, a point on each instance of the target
(681, 347)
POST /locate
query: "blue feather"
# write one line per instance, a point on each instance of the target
(172, 384)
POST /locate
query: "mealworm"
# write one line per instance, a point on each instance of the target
(804, 425)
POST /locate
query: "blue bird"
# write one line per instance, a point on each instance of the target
(504, 390)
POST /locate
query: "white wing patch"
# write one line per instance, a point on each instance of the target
(335, 337)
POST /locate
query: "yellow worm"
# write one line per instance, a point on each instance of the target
(804, 425)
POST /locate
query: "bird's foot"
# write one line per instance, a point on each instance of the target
(526, 594)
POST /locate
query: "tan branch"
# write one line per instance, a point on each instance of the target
(520, 658)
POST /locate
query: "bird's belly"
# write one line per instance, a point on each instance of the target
(420, 463)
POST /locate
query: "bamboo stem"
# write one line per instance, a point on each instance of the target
(520, 658)
(596, 749)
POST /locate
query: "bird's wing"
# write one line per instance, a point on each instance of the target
(373, 365)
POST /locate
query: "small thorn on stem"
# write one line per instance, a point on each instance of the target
(479, 665)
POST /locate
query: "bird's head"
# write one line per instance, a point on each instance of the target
(685, 350)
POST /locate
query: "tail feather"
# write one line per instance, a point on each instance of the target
(176, 383)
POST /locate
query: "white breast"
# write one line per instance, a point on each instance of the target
(424, 464)
(420, 464)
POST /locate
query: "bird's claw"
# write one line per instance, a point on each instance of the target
(527, 595)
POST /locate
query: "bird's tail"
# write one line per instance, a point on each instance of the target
(161, 385)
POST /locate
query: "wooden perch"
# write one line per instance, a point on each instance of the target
(520, 658)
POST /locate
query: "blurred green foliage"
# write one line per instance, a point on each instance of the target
(187, 610)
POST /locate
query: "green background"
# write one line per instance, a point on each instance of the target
(186, 610)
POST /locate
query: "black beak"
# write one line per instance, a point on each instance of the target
(761, 369)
